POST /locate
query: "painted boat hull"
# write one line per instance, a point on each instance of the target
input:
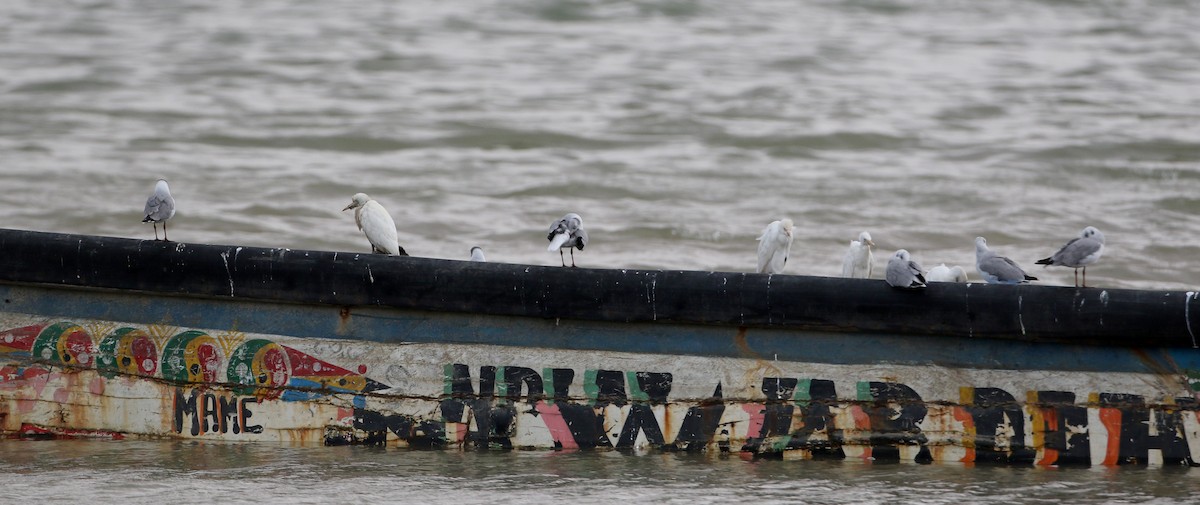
(117, 338)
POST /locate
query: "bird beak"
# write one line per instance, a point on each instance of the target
(872, 244)
(348, 207)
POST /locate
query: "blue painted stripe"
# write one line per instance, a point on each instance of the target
(397, 326)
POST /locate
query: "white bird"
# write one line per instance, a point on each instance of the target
(943, 273)
(376, 224)
(477, 254)
(997, 269)
(903, 272)
(567, 233)
(160, 207)
(1079, 253)
(773, 246)
(858, 261)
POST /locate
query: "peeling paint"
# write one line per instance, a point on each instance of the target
(225, 259)
(1021, 313)
(1187, 316)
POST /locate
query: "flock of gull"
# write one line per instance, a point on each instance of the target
(774, 245)
(902, 272)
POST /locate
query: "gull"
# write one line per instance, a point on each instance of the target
(160, 207)
(1079, 253)
(477, 254)
(567, 233)
(996, 269)
(857, 263)
(773, 246)
(376, 224)
(903, 272)
(943, 273)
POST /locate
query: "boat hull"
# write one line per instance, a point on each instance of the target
(472, 381)
(110, 337)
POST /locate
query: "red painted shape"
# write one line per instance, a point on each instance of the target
(80, 347)
(557, 425)
(96, 386)
(306, 365)
(32, 430)
(1111, 419)
(962, 415)
(1049, 456)
(275, 366)
(145, 353)
(210, 360)
(862, 422)
(757, 413)
(362, 369)
(19, 339)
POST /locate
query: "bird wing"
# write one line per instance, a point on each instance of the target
(1078, 252)
(848, 260)
(1002, 268)
(557, 227)
(156, 208)
(903, 274)
(379, 228)
(581, 238)
(773, 247)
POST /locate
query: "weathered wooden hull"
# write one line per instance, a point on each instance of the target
(166, 358)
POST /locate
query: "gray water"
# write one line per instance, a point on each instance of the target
(136, 472)
(677, 128)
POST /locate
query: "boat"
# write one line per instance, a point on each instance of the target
(119, 338)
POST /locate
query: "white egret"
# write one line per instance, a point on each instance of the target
(774, 245)
(858, 261)
(376, 224)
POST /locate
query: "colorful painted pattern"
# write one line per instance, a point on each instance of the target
(258, 367)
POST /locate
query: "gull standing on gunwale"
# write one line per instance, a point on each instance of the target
(1079, 253)
(160, 207)
(774, 245)
(567, 233)
(477, 254)
(376, 224)
(997, 269)
(903, 272)
(858, 261)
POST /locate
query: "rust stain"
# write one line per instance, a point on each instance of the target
(343, 321)
(761, 367)
(740, 341)
(1166, 369)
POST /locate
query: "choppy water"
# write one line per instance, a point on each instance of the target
(134, 472)
(677, 128)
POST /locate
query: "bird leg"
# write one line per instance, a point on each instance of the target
(155, 225)
(1077, 277)
(563, 260)
(165, 239)
(1085, 277)
(572, 256)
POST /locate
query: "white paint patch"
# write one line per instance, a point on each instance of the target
(225, 259)
(1020, 312)
(1187, 316)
